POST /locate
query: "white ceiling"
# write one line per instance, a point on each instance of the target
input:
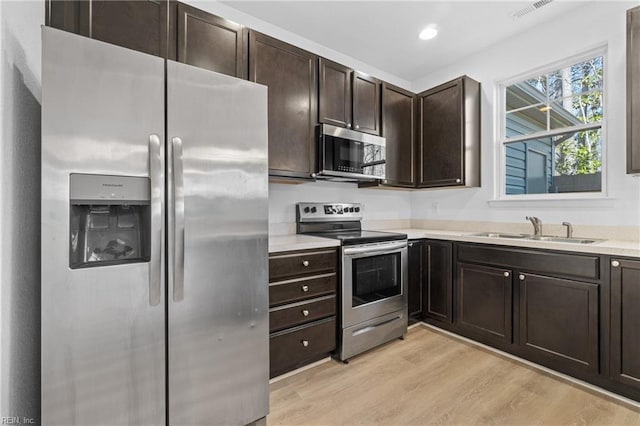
(384, 34)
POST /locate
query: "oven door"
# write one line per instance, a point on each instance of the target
(374, 280)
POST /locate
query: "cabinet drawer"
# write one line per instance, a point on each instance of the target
(305, 263)
(301, 313)
(301, 289)
(300, 346)
(574, 265)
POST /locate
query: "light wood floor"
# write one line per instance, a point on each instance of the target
(432, 378)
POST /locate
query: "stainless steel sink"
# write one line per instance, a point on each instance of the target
(500, 235)
(556, 239)
(548, 238)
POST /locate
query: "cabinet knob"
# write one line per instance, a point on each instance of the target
(410, 244)
(521, 277)
(615, 263)
(305, 263)
(458, 180)
(357, 126)
(506, 274)
(313, 175)
(349, 125)
(305, 343)
(305, 288)
(305, 312)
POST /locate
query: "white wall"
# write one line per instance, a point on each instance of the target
(20, 208)
(252, 22)
(575, 32)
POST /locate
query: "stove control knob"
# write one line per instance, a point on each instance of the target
(357, 209)
(313, 209)
(306, 209)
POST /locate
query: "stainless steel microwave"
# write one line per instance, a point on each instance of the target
(348, 155)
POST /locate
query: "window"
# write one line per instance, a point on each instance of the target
(551, 132)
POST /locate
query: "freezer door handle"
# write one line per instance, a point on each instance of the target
(156, 175)
(178, 219)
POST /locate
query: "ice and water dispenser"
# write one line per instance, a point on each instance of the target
(110, 218)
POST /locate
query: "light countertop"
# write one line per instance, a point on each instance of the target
(607, 247)
(293, 242)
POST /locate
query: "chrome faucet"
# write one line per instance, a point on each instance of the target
(569, 229)
(537, 225)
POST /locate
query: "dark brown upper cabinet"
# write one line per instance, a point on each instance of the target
(625, 317)
(366, 103)
(210, 42)
(633, 90)
(146, 26)
(290, 74)
(335, 93)
(348, 98)
(399, 130)
(449, 140)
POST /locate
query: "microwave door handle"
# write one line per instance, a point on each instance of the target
(177, 219)
(384, 248)
(156, 261)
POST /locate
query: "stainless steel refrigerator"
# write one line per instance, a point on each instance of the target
(154, 240)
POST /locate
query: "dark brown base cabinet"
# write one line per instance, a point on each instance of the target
(438, 292)
(625, 322)
(485, 302)
(559, 321)
(414, 278)
(302, 308)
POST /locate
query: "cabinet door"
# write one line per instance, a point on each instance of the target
(211, 42)
(366, 103)
(415, 278)
(559, 322)
(441, 133)
(335, 93)
(449, 136)
(147, 25)
(633, 90)
(290, 74)
(625, 319)
(484, 302)
(398, 128)
(438, 302)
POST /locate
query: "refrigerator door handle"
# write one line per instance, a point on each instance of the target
(156, 174)
(178, 219)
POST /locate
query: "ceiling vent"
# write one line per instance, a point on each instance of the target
(530, 8)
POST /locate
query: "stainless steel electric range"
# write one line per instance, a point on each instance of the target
(373, 295)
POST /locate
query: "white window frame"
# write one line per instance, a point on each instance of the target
(502, 141)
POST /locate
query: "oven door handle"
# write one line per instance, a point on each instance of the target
(374, 249)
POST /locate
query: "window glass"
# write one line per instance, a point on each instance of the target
(552, 134)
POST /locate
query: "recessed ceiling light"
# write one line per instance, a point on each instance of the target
(428, 33)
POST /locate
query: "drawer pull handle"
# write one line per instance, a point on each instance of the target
(305, 263)
(305, 288)
(522, 277)
(305, 343)
(615, 263)
(305, 312)
(506, 274)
